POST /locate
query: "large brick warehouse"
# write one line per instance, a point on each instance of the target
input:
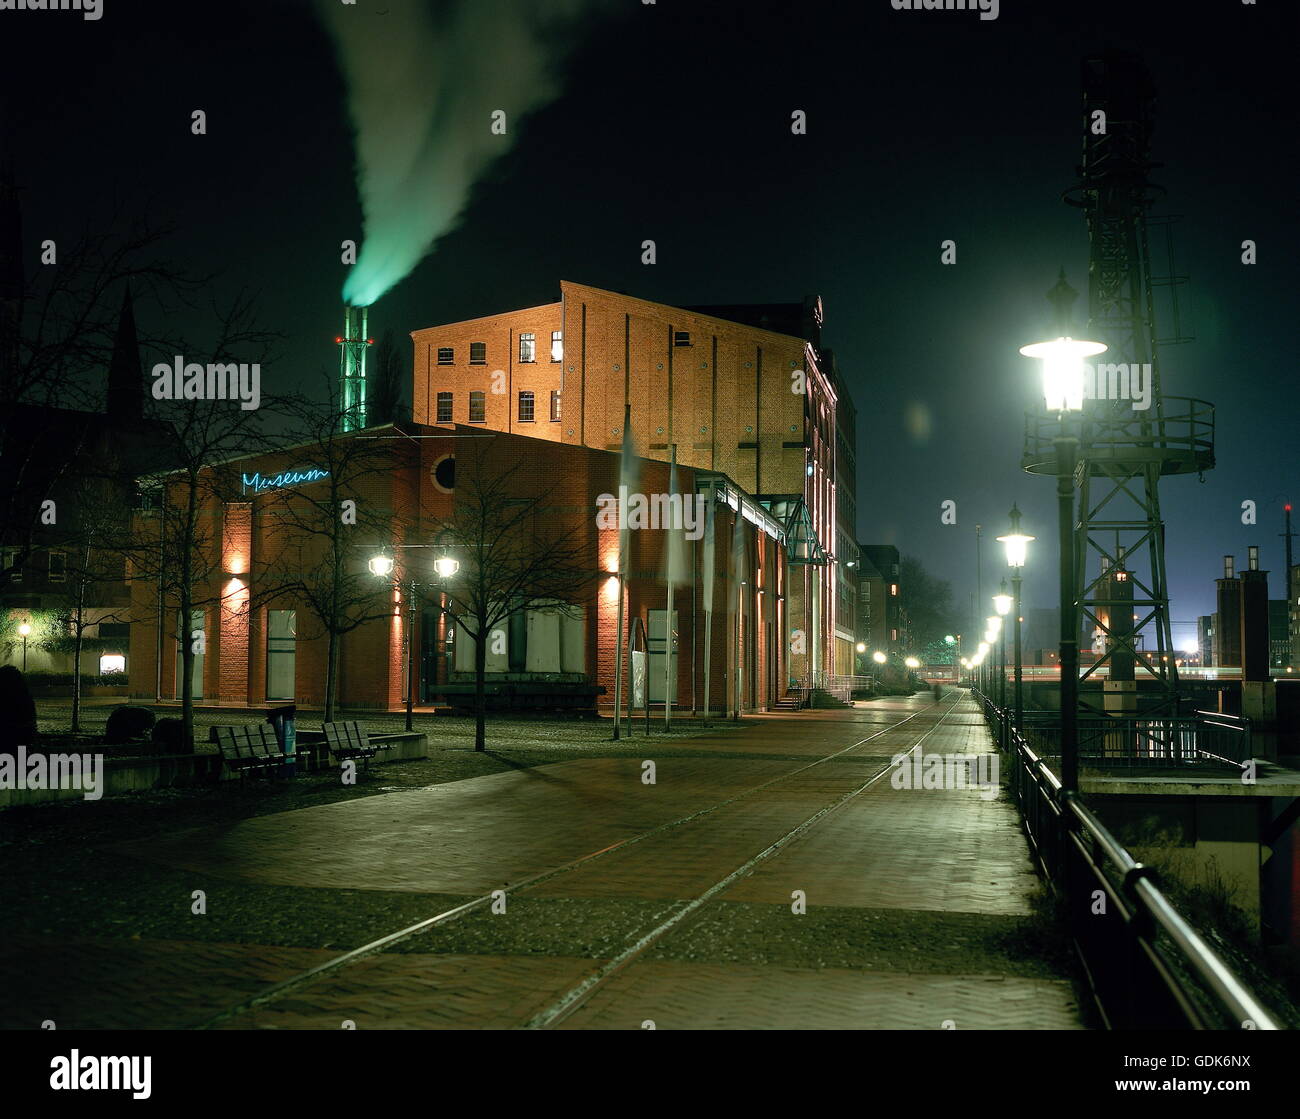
(280, 533)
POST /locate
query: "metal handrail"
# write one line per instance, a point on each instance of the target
(1151, 910)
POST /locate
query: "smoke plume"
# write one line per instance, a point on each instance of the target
(424, 78)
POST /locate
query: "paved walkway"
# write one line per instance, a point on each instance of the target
(918, 910)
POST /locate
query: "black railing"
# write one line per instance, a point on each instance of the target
(1148, 968)
(1205, 739)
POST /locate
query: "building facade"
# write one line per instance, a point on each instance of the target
(258, 616)
(733, 397)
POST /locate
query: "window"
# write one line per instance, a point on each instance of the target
(446, 355)
(555, 405)
(681, 337)
(478, 353)
(281, 653)
(525, 407)
(477, 408)
(893, 588)
(11, 560)
(527, 347)
(444, 407)
(557, 345)
(58, 567)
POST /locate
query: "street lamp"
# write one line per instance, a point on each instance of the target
(1063, 385)
(23, 631)
(879, 657)
(446, 566)
(380, 565)
(1016, 543)
(912, 662)
(1002, 604)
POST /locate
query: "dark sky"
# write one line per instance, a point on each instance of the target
(673, 124)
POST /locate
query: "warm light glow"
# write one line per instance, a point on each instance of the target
(380, 565)
(24, 630)
(112, 662)
(611, 588)
(879, 657)
(1016, 544)
(1002, 604)
(861, 647)
(983, 648)
(1062, 360)
(446, 566)
(912, 662)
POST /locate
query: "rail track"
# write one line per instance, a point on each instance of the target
(573, 999)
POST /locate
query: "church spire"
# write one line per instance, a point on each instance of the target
(125, 375)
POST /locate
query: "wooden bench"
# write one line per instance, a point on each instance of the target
(252, 747)
(349, 741)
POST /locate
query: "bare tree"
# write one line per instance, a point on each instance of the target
(93, 548)
(322, 527)
(64, 339)
(182, 553)
(514, 555)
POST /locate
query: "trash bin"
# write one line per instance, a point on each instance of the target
(282, 722)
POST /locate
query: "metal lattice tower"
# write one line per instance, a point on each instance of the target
(1123, 589)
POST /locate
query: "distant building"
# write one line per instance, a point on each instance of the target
(1279, 641)
(1206, 624)
(879, 614)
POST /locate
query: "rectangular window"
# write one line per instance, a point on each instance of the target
(681, 337)
(557, 345)
(477, 408)
(10, 559)
(281, 653)
(444, 407)
(527, 347)
(555, 405)
(478, 353)
(446, 355)
(58, 567)
(525, 407)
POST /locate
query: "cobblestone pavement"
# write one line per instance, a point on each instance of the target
(918, 902)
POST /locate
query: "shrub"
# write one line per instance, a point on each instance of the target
(169, 736)
(126, 724)
(17, 709)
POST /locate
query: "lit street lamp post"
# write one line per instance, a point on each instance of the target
(1016, 544)
(1063, 385)
(381, 565)
(1002, 604)
(23, 631)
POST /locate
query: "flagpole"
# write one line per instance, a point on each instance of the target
(622, 569)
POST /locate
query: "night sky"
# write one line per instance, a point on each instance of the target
(673, 123)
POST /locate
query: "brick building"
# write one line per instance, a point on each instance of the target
(743, 392)
(262, 642)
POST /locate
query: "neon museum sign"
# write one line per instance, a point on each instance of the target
(283, 480)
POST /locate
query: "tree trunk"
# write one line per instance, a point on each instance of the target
(76, 677)
(480, 687)
(331, 675)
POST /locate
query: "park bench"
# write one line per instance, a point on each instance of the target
(349, 741)
(251, 747)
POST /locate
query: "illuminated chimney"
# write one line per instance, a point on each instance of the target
(352, 366)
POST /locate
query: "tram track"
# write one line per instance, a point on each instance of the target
(573, 999)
